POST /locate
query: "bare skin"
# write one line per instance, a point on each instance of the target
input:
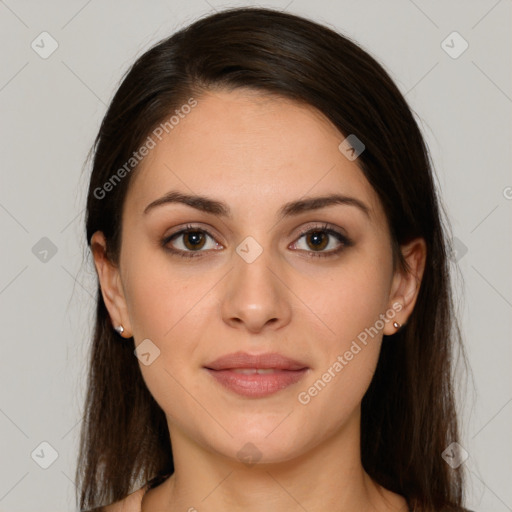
(255, 153)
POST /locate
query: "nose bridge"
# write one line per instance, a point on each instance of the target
(254, 295)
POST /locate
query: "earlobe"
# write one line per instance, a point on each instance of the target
(406, 283)
(110, 284)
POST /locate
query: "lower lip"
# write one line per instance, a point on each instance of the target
(257, 385)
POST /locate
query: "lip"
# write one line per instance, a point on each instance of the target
(238, 373)
(258, 361)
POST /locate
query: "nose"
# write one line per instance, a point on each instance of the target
(255, 297)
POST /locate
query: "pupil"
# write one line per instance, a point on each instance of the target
(317, 241)
(193, 239)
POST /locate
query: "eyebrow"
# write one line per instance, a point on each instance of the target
(221, 209)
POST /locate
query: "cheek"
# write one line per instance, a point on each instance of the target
(331, 398)
(350, 304)
(175, 314)
(159, 295)
(349, 301)
(172, 311)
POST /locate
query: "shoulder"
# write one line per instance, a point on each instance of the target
(132, 503)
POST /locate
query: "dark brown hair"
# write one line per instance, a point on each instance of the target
(408, 412)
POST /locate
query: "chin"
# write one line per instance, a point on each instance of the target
(265, 442)
(263, 451)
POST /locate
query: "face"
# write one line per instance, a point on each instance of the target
(308, 286)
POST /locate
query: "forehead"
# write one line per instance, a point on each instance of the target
(249, 148)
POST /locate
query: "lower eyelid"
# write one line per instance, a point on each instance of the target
(167, 240)
(343, 241)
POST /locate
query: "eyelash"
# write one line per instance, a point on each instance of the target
(344, 240)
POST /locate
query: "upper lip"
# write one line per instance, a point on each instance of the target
(257, 361)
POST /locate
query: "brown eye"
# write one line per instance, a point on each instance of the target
(190, 242)
(194, 240)
(317, 240)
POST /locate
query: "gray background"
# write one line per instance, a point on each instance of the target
(50, 112)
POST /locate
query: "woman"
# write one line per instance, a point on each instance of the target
(273, 298)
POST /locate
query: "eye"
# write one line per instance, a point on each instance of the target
(188, 241)
(319, 238)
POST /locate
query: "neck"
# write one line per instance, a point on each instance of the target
(328, 476)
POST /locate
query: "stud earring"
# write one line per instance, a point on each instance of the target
(119, 329)
(396, 325)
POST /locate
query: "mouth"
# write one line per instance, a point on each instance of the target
(256, 376)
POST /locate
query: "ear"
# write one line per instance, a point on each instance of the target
(110, 283)
(406, 283)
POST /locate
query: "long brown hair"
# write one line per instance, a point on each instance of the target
(408, 413)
